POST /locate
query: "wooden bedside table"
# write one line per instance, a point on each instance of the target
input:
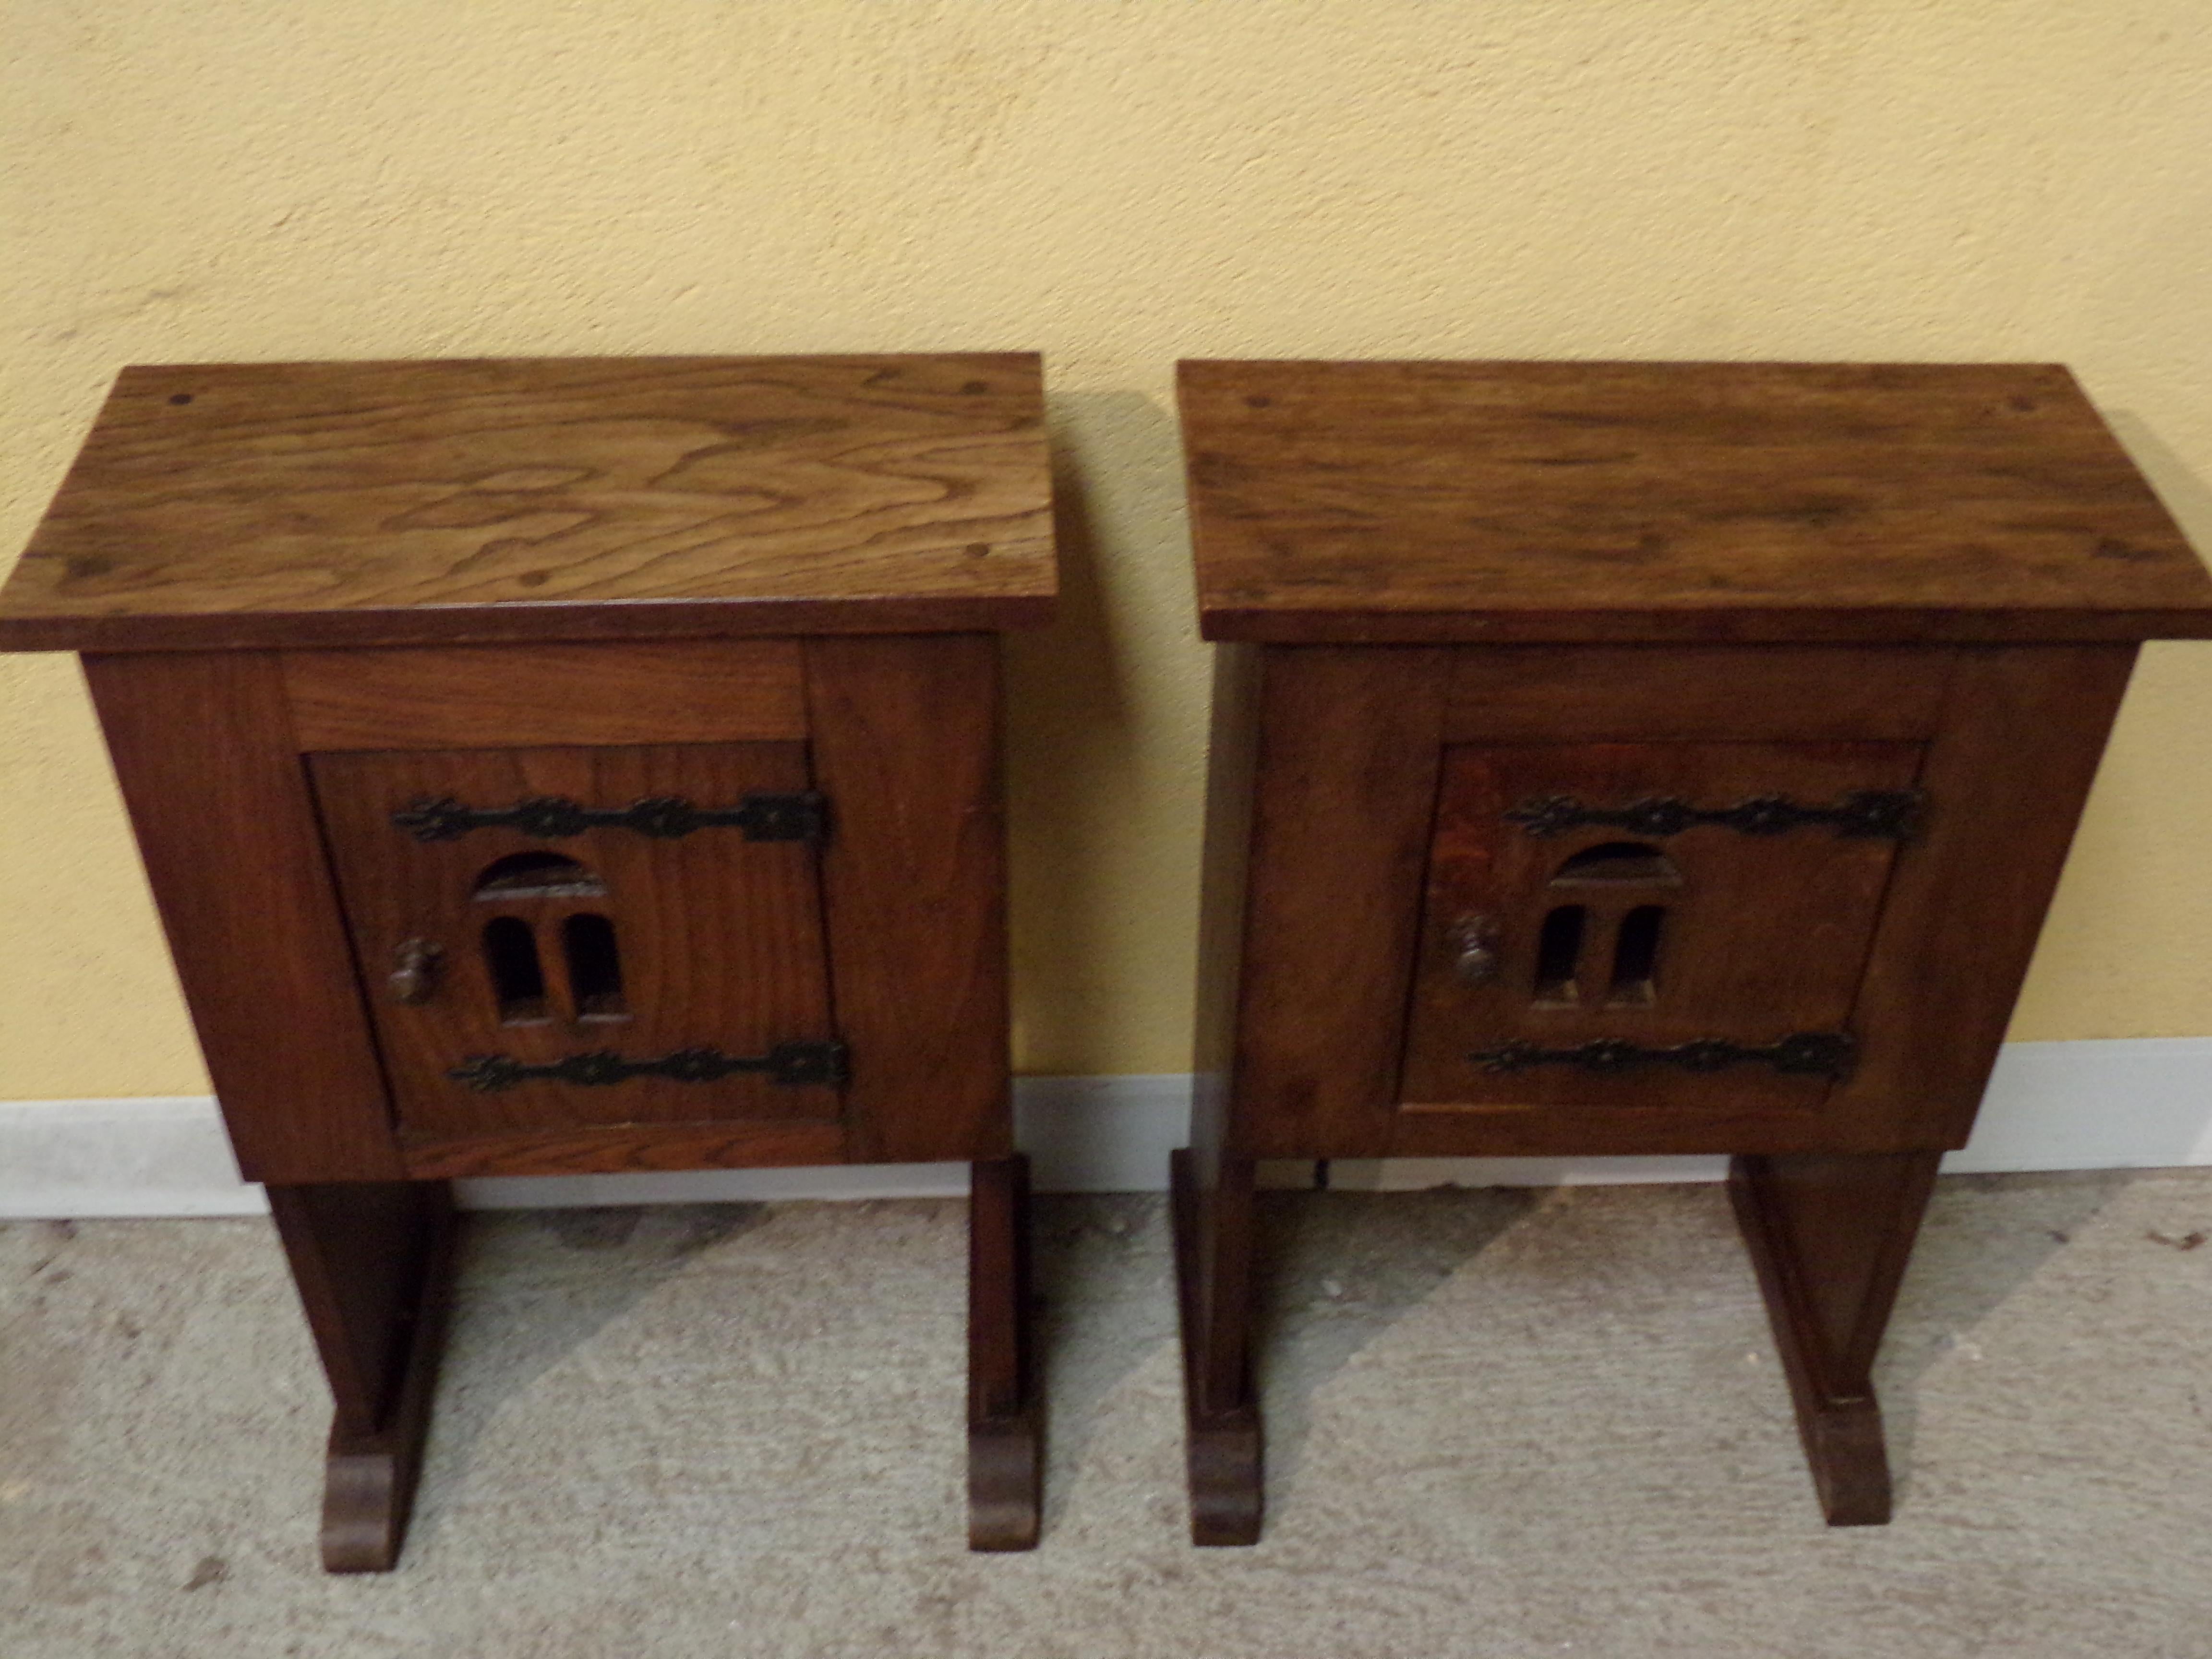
(566, 766)
(1640, 758)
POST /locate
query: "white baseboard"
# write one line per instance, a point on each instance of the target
(146, 1156)
(169, 1156)
(2136, 1103)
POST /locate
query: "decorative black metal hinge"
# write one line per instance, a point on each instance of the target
(1867, 814)
(1802, 1053)
(803, 816)
(795, 1064)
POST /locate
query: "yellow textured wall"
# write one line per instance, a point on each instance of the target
(1116, 185)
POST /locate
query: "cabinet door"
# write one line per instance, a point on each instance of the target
(1672, 926)
(621, 974)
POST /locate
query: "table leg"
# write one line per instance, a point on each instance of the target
(373, 1264)
(1213, 1230)
(1829, 1235)
(1006, 1449)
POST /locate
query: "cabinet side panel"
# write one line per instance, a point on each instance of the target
(202, 748)
(2006, 777)
(905, 733)
(1227, 858)
(1343, 808)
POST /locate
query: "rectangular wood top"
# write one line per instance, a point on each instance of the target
(1437, 501)
(420, 503)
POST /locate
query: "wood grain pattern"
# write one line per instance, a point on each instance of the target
(526, 697)
(203, 749)
(906, 742)
(2006, 777)
(1840, 519)
(443, 562)
(1500, 503)
(1736, 694)
(414, 503)
(628, 1149)
(719, 938)
(1346, 788)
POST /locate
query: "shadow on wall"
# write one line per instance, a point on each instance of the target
(2186, 495)
(1074, 782)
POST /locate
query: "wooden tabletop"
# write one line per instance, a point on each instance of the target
(410, 503)
(1413, 502)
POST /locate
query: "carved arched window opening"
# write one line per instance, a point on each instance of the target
(1639, 931)
(537, 875)
(1617, 863)
(518, 979)
(595, 977)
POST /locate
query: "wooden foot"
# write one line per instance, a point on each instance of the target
(373, 1264)
(1829, 1235)
(1221, 1415)
(1005, 1439)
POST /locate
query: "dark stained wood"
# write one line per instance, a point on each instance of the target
(204, 753)
(525, 696)
(1830, 1237)
(319, 593)
(906, 745)
(1760, 936)
(1419, 503)
(1005, 1425)
(420, 503)
(1560, 693)
(2005, 779)
(373, 1264)
(1447, 1129)
(1232, 762)
(1224, 1437)
(1462, 587)
(1212, 1193)
(629, 1148)
(358, 1250)
(719, 938)
(1220, 1273)
(1344, 799)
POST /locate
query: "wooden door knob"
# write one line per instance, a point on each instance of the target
(1476, 957)
(415, 970)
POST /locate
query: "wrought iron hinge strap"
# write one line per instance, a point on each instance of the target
(802, 817)
(795, 1064)
(1802, 1053)
(1863, 814)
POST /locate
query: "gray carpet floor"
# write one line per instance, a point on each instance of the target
(1502, 1423)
